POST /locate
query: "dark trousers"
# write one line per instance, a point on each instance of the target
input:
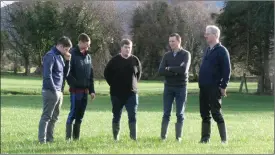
(78, 107)
(131, 105)
(171, 93)
(210, 101)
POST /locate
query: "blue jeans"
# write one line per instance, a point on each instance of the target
(171, 93)
(131, 105)
(78, 107)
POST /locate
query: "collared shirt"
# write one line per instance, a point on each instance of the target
(176, 51)
(209, 49)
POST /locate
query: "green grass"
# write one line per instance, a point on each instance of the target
(32, 86)
(249, 118)
(250, 123)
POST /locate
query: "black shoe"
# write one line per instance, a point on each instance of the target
(222, 131)
(116, 128)
(164, 129)
(76, 131)
(178, 129)
(133, 130)
(69, 128)
(205, 132)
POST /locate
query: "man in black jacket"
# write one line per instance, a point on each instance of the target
(80, 80)
(122, 73)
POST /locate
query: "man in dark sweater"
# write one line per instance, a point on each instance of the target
(175, 67)
(81, 82)
(214, 76)
(55, 69)
(122, 73)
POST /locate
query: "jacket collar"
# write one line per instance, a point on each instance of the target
(56, 51)
(217, 45)
(78, 51)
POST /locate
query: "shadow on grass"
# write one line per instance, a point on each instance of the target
(233, 103)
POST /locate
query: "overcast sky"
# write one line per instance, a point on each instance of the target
(4, 3)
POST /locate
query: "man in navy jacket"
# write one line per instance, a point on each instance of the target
(214, 76)
(55, 69)
(81, 82)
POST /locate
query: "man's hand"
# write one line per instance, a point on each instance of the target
(67, 56)
(223, 92)
(167, 68)
(92, 96)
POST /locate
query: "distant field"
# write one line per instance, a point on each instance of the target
(32, 86)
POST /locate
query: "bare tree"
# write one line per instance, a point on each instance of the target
(197, 16)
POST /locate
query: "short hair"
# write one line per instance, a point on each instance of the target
(214, 30)
(64, 41)
(178, 37)
(83, 37)
(125, 42)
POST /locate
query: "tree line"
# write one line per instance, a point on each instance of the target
(247, 30)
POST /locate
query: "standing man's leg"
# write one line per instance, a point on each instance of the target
(168, 98)
(49, 102)
(131, 107)
(71, 117)
(81, 104)
(181, 96)
(205, 115)
(216, 101)
(117, 106)
(51, 124)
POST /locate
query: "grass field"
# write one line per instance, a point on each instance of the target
(249, 118)
(32, 86)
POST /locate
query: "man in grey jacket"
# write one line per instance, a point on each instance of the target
(174, 67)
(55, 69)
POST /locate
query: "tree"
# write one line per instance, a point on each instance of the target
(35, 26)
(248, 29)
(44, 26)
(196, 16)
(152, 25)
(112, 32)
(4, 42)
(15, 24)
(99, 21)
(32, 28)
(154, 22)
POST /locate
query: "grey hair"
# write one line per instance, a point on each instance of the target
(214, 30)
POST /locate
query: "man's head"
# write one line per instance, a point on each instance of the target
(126, 47)
(175, 41)
(212, 34)
(64, 45)
(84, 42)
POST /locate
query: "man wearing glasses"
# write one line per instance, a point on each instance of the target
(80, 80)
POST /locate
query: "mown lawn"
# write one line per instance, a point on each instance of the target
(249, 118)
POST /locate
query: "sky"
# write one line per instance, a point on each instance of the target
(4, 3)
(219, 3)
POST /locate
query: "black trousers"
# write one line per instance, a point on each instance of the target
(210, 101)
